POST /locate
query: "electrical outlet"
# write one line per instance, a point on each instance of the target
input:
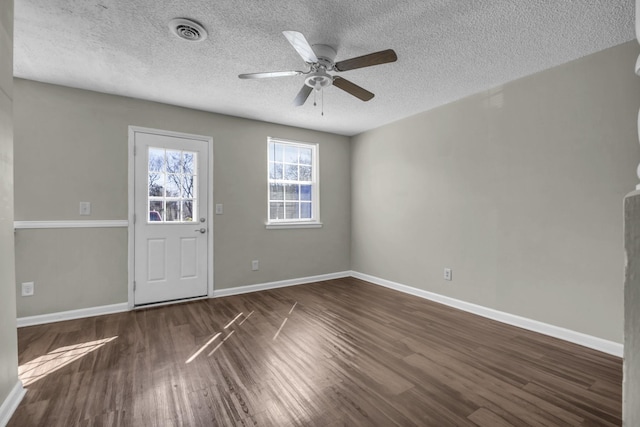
(448, 274)
(218, 208)
(28, 289)
(255, 265)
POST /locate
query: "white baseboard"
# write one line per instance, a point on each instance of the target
(585, 340)
(72, 314)
(11, 403)
(280, 284)
(117, 308)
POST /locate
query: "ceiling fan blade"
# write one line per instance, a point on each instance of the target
(352, 88)
(302, 96)
(270, 74)
(376, 58)
(301, 45)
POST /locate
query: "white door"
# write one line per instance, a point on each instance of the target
(171, 219)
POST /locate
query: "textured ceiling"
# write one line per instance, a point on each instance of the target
(447, 49)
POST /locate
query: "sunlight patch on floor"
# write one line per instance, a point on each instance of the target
(42, 366)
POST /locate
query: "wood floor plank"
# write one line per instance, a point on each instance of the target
(337, 353)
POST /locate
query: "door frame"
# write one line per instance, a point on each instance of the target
(132, 207)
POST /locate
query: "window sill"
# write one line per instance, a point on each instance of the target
(283, 225)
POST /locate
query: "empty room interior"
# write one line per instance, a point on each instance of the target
(319, 213)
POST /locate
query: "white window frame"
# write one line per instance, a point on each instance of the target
(314, 222)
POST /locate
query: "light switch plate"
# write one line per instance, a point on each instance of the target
(219, 209)
(85, 208)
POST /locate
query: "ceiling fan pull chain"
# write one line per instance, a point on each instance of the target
(322, 100)
(314, 97)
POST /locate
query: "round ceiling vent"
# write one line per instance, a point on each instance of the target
(187, 29)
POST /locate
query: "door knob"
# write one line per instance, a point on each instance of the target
(201, 230)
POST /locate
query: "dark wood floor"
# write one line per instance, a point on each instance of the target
(342, 352)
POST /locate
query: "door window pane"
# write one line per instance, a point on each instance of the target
(173, 185)
(188, 186)
(156, 211)
(187, 211)
(156, 159)
(156, 184)
(189, 162)
(174, 161)
(172, 211)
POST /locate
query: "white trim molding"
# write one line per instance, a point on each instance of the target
(71, 224)
(585, 340)
(284, 225)
(72, 314)
(11, 403)
(279, 284)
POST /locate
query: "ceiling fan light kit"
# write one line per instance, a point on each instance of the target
(319, 60)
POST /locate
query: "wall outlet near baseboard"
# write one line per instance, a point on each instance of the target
(255, 265)
(448, 274)
(28, 289)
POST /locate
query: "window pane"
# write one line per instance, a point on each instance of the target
(188, 186)
(305, 210)
(174, 161)
(305, 173)
(156, 159)
(305, 192)
(276, 210)
(156, 184)
(275, 170)
(189, 163)
(173, 186)
(291, 154)
(155, 210)
(276, 152)
(173, 211)
(187, 210)
(291, 172)
(291, 192)
(305, 156)
(291, 210)
(276, 192)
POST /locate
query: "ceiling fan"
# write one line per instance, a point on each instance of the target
(319, 59)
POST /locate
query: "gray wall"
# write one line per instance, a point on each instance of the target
(518, 189)
(8, 341)
(631, 387)
(71, 145)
